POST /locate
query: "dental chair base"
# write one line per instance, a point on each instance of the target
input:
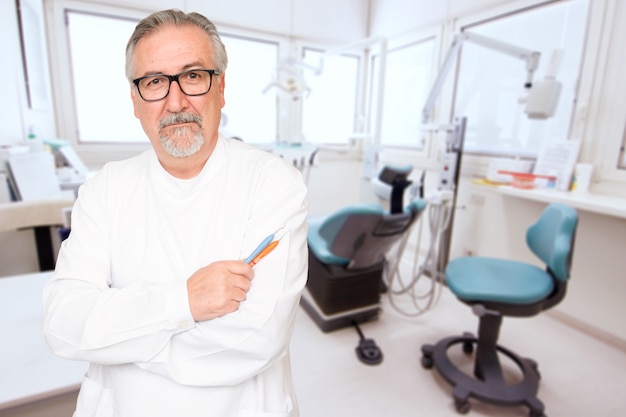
(336, 297)
(330, 322)
(337, 289)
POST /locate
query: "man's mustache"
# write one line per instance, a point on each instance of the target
(178, 118)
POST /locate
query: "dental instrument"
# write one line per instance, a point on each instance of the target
(266, 246)
(259, 248)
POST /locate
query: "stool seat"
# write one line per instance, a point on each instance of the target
(497, 280)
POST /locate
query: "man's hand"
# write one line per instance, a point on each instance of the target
(217, 289)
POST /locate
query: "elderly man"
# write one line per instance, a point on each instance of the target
(151, 286)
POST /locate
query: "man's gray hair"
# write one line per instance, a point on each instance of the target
(175, 17)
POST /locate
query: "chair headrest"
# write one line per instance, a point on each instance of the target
(393, 174)
(552, 238)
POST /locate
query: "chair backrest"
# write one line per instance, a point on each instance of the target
(551, 238)
(359, 236)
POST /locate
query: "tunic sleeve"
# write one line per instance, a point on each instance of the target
(84, 317)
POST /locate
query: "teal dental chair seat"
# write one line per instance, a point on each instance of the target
(323, 231)
(496, 288)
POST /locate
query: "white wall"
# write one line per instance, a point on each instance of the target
(324, 20)
(393, 17)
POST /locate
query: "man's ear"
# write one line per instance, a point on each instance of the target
(134, 96)
(222, 86)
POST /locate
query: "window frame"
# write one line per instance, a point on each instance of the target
(93, 154)
(603, 105)
(425, 155)
(398, 45)
(142, 141)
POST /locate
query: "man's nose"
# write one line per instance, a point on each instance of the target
(176, 99)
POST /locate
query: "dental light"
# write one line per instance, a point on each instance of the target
(289, 79)
(542, 95)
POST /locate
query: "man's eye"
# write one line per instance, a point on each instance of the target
(192, 76)
(155, 82)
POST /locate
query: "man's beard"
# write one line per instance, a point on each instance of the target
(182, 141)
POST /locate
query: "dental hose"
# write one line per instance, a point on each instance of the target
(439, 218)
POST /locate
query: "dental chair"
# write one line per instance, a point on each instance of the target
(495, 288)
(347, 255)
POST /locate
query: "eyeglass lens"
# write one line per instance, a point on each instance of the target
(192, 83)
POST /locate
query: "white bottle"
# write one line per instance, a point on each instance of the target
(34, 143)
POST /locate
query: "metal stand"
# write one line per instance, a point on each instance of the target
(449, 179)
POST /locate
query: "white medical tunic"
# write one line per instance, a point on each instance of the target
(118, 298)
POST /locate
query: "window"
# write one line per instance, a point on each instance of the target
(490, 84)
(329, 112)
(408, 81)
(250, 113)
(409, 64)
(104, 111)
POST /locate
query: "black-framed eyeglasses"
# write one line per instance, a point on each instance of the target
(195, 82)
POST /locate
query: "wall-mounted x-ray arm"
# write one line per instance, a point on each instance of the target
(530, 57)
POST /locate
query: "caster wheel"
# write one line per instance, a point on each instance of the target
(462, 407)
(427, 362)
(535, 367)
(468, 348)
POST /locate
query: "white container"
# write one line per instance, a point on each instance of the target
(582, 178)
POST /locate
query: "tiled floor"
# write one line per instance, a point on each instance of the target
(581, 376)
